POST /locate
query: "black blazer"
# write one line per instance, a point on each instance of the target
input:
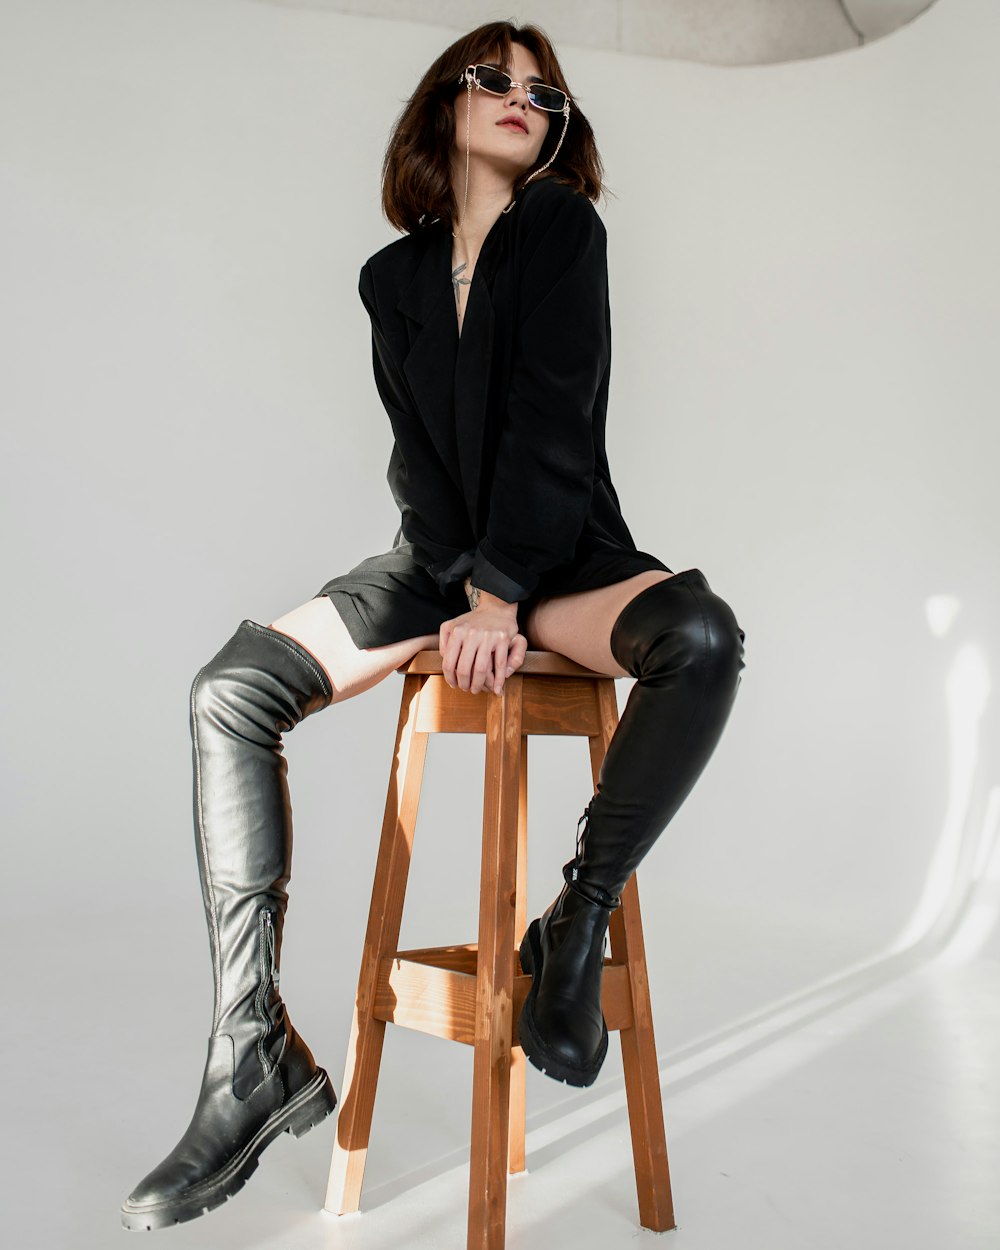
(499, 466)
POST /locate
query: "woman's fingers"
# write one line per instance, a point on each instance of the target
(473, 660)
(473, 664)
(499, 666)
(507, 659)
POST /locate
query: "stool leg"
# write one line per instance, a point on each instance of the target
(518, 1063)
(364, 1051)
(495, 972)
(642, 1076)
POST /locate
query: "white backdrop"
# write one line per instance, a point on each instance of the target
(803, 264)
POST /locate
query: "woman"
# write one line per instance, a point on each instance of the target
(491, 350)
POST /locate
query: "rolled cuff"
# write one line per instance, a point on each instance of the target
(501, 577)
(455, 571)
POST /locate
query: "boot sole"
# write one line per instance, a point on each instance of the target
(307, 1108)
(531, 1043)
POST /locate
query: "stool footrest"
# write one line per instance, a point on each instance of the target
(433, 990)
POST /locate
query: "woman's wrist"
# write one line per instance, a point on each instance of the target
(479, 598)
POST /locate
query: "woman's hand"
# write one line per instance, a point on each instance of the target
(482, 647)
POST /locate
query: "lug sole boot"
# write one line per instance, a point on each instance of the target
(561, 1028)
(260, 1078)
(683, 644)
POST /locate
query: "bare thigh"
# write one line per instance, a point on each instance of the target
(579, 625)
(317, 626)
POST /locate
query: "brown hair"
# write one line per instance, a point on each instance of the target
(416, 168)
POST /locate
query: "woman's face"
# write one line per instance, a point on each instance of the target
(492, 136)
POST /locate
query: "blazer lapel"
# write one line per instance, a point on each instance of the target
(472, 380)
(428, 303)
(448, 373)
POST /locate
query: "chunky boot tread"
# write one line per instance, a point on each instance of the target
(312, 1104)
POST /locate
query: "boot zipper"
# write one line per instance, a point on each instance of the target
(268, 976)
(269, 930)
(576, 857)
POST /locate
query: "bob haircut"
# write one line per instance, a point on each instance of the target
(416, 168)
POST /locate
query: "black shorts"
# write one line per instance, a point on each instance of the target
(389, 597)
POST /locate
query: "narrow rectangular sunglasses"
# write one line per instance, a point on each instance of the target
(551, 99)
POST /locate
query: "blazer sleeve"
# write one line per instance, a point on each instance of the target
(432, 511)
(543, 477)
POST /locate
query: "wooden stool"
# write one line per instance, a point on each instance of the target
(473, 992)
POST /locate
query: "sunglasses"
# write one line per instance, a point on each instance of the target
(496, 82)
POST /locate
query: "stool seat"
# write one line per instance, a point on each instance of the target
(535, 662)
(472, 992)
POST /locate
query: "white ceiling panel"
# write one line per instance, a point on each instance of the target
(712, 32)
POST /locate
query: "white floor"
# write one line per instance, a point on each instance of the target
(862, 1113)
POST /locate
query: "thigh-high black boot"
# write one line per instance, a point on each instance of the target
(260, 1077)
(683, 644)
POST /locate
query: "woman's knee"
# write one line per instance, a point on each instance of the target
(259, 681)
(679, 625)
(211, 687)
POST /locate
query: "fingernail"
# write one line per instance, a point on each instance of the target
(509, 671)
